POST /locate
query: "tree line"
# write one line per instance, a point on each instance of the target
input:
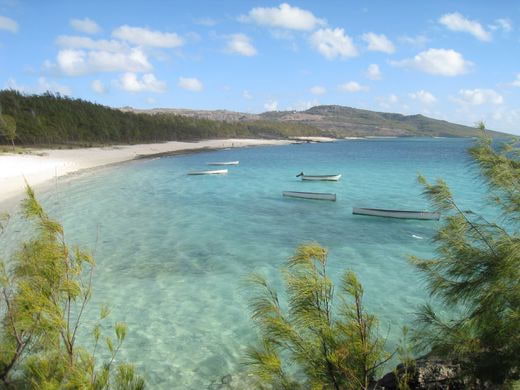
(52, 119)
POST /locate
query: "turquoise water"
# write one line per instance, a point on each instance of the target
(172, 250)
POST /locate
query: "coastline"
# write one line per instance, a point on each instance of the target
(45, 165)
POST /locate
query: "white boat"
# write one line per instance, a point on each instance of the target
(214, 172)
(310, 195)
(402, 214)
(319, 177)
(224, 163)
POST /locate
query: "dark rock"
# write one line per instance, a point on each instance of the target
(426, 374)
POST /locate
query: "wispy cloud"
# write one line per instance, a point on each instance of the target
(145, 37)
(423, 96)
(8, 24)
(86, 25)
(378, 42)
(457, 22)
(318, 90)
(190, 84)
(72, 62)
(240, 44)
(443, 62)
(373, 72)
(98, 87)
(333, 43)
(283, 16)
(479, 96)
(352, 86)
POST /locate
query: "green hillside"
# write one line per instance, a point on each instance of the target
(347, 121)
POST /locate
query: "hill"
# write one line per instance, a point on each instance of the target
(53, 119)
(341, 121)
(353, 122)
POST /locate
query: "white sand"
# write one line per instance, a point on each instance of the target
(52, 163)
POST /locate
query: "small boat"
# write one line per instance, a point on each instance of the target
(310, 195)
(224, 163)
(402, 214)
(319, 177)
(215, 172)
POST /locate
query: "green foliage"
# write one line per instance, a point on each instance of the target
(324, 348)
(8, 128)
(476, 273)
(54, 119)
(45, 289)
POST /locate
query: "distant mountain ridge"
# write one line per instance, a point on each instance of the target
(341, 121)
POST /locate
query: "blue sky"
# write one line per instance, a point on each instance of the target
(453, 60)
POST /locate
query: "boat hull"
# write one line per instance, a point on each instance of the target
(310, 195)
(321, 177)
(400, 214)
(224, 163)
(214, 172)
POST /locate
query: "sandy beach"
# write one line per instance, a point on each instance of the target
(44, 165)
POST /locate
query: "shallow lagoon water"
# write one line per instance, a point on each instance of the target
(172, 250)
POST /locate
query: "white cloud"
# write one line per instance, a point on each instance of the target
(373, 72)
(247, 95)
(502, 24)
(191, 84)
(43, 85)
(208, 22)
(457, 22)
(98, 87)
(516, 83)
(353, 86)
(387, 101)
(303, 105)
(444, 62)
(78, 62)
(145, 37)
(378, 42)
(418, 40)
(148, 82)
(87, 26)
(77, 42)
(509, 118)
(8, 24)
(423, 96)
(240, 44)
(318, 90)
(479, 96)
(283, 16)
(271, 105)
(333, 43)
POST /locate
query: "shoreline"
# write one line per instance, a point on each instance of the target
(46, 165)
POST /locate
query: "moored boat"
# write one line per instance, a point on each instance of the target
(319, 177)
(310, 195)
(214, 172)
(224, 163)
(401, 214)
